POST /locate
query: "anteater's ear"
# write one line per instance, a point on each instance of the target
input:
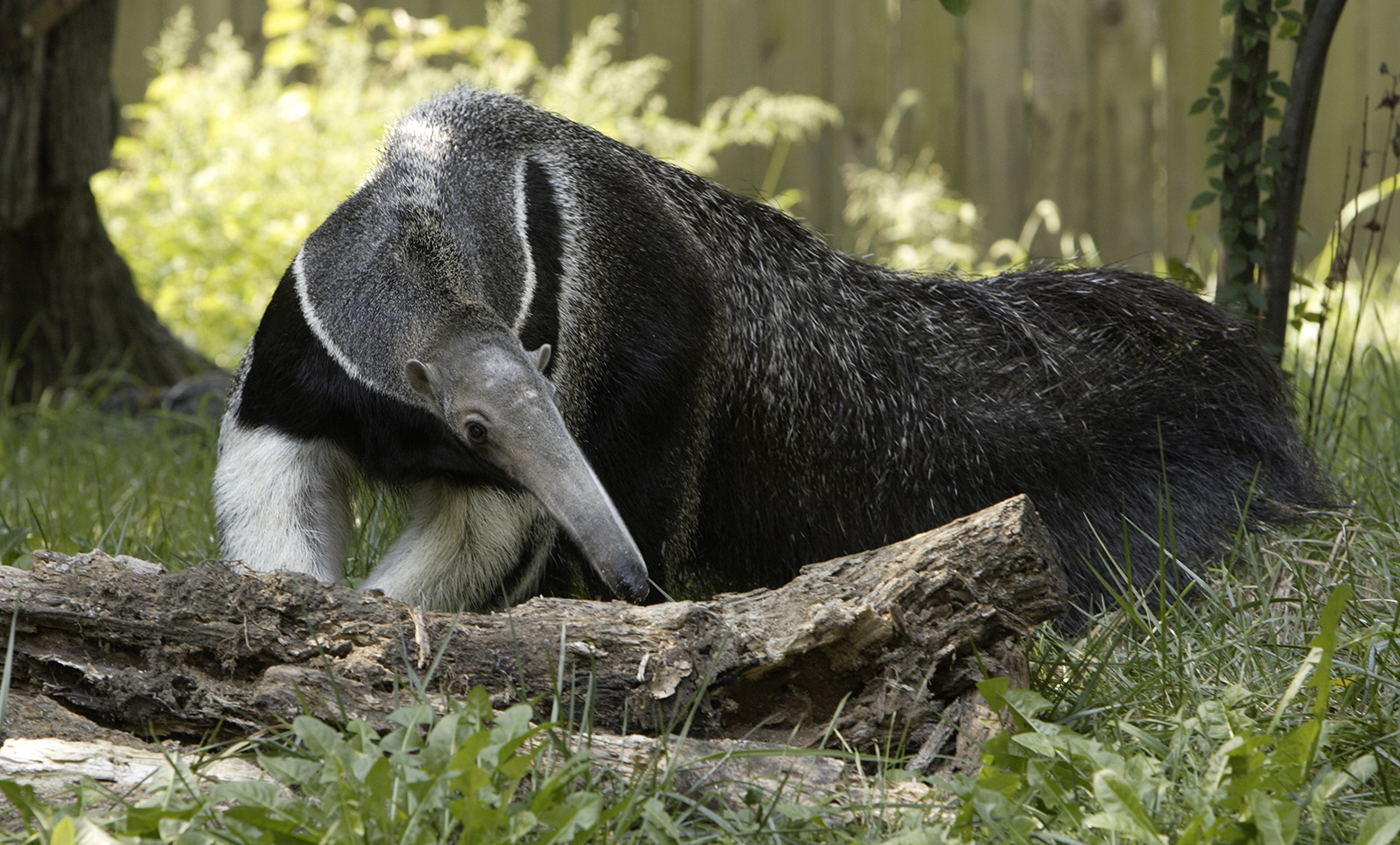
(421, 378)
(539, 356)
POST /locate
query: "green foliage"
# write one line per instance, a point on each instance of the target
(74, 477)
(901, 211)
(1211, 773)
(1202, 713)
(1205, 713)
(1258, 712)
(1345, 302)
(1216, 770)
(230, 168)
(470, 775)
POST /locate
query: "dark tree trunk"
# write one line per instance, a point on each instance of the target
(67, 302)
(1299, 116)
(1239, 199)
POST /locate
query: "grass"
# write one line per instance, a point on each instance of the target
(73, 478)
(1254, 713)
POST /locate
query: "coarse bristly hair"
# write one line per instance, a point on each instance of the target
(858, 405)
(751, 399)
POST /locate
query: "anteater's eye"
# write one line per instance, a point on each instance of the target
(476, 432)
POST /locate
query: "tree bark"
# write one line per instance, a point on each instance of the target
(1299, 117)
(873, 646)
(68, 306)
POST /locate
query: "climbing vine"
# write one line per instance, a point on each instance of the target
(1247, 158)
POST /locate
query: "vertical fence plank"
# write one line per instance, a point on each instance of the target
(1123, 37)
(1193, 41)
(859, 83)
(1062, 126)
(138, 26)
(668, 30)
(994, 113)
(927, 54)
(733, 42)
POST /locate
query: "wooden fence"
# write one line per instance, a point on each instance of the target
(1080, 101)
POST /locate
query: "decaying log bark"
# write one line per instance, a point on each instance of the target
(868, 647)
(51, 764)
(723, 769)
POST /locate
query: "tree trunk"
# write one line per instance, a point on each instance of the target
(68, 306)
(1299, 116)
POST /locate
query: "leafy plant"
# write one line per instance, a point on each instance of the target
(1343, 306)
(469, 775)
(1215, 775)
(902, 211)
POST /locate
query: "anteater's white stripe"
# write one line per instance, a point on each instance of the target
(308, 312)
(522, 228)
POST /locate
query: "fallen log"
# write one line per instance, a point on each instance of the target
(723, 769)
(862, 649)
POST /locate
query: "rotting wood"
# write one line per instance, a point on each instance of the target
(859, 650)
(726, 770)
(50, 765)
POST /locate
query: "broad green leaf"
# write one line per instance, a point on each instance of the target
(578, 814)
(62, 832)
(88, 832)
(321, 739)
(1036, 743)
(1122, 810)
(1056, 783)
(1326, 640)
(994, 691)
(280, 828)
(23, 798)
(1027, 704)
(286, 770)
(654, 815)
(1275, 821)
(1381, 826)
(1292, 755)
